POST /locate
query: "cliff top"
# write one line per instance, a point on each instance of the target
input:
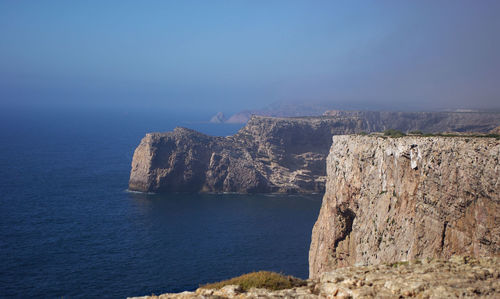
(457, 277)
(397, 134)
(272, 154)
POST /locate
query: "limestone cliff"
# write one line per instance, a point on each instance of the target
(393, 199)
(269, 154)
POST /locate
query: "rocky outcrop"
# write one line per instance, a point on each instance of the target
(457, 278)
(218, 118)
(393, 199)
(269, 154)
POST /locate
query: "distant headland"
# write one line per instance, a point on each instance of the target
(273, 154)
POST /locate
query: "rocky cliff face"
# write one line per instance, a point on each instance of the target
(393, 199)
(269, 154)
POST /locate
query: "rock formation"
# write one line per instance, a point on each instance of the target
(218, 118)
(267, 155)
(393, 199)
(457, 278)
(400, 216)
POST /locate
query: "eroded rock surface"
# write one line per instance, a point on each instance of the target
(269, 154)
(459, 277)
(393, 199)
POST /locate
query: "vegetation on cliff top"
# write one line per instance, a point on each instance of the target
(262, 279)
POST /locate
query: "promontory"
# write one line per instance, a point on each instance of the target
(401, 217)
(284, 155)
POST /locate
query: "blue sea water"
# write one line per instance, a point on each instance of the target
(69, 228)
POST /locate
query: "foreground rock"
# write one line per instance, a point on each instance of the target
(392, 199)
(459, 277)
(285, 155)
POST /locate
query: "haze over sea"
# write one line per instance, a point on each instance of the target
(69, 228)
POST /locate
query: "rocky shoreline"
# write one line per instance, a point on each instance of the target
(271, 154)
(413, 216)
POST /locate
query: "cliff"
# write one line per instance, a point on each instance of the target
(269, 154)
(393, 199)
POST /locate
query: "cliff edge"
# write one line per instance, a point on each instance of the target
(458, 277)
(397, 199)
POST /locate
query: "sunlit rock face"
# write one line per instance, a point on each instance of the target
(393, 199)
(269, 154)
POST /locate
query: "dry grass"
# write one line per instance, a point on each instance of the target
(262, 279)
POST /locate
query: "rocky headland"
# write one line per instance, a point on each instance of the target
(401, 217)
(318, 109)
(270, 154)
(267, 155)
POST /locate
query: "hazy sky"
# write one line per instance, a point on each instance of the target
(232, 55)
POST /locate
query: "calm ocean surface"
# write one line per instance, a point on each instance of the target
(68, 228)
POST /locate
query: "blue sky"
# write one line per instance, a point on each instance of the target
(233, 55)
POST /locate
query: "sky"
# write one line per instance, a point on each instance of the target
(234, 55)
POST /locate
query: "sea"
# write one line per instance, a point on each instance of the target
(69, 228)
